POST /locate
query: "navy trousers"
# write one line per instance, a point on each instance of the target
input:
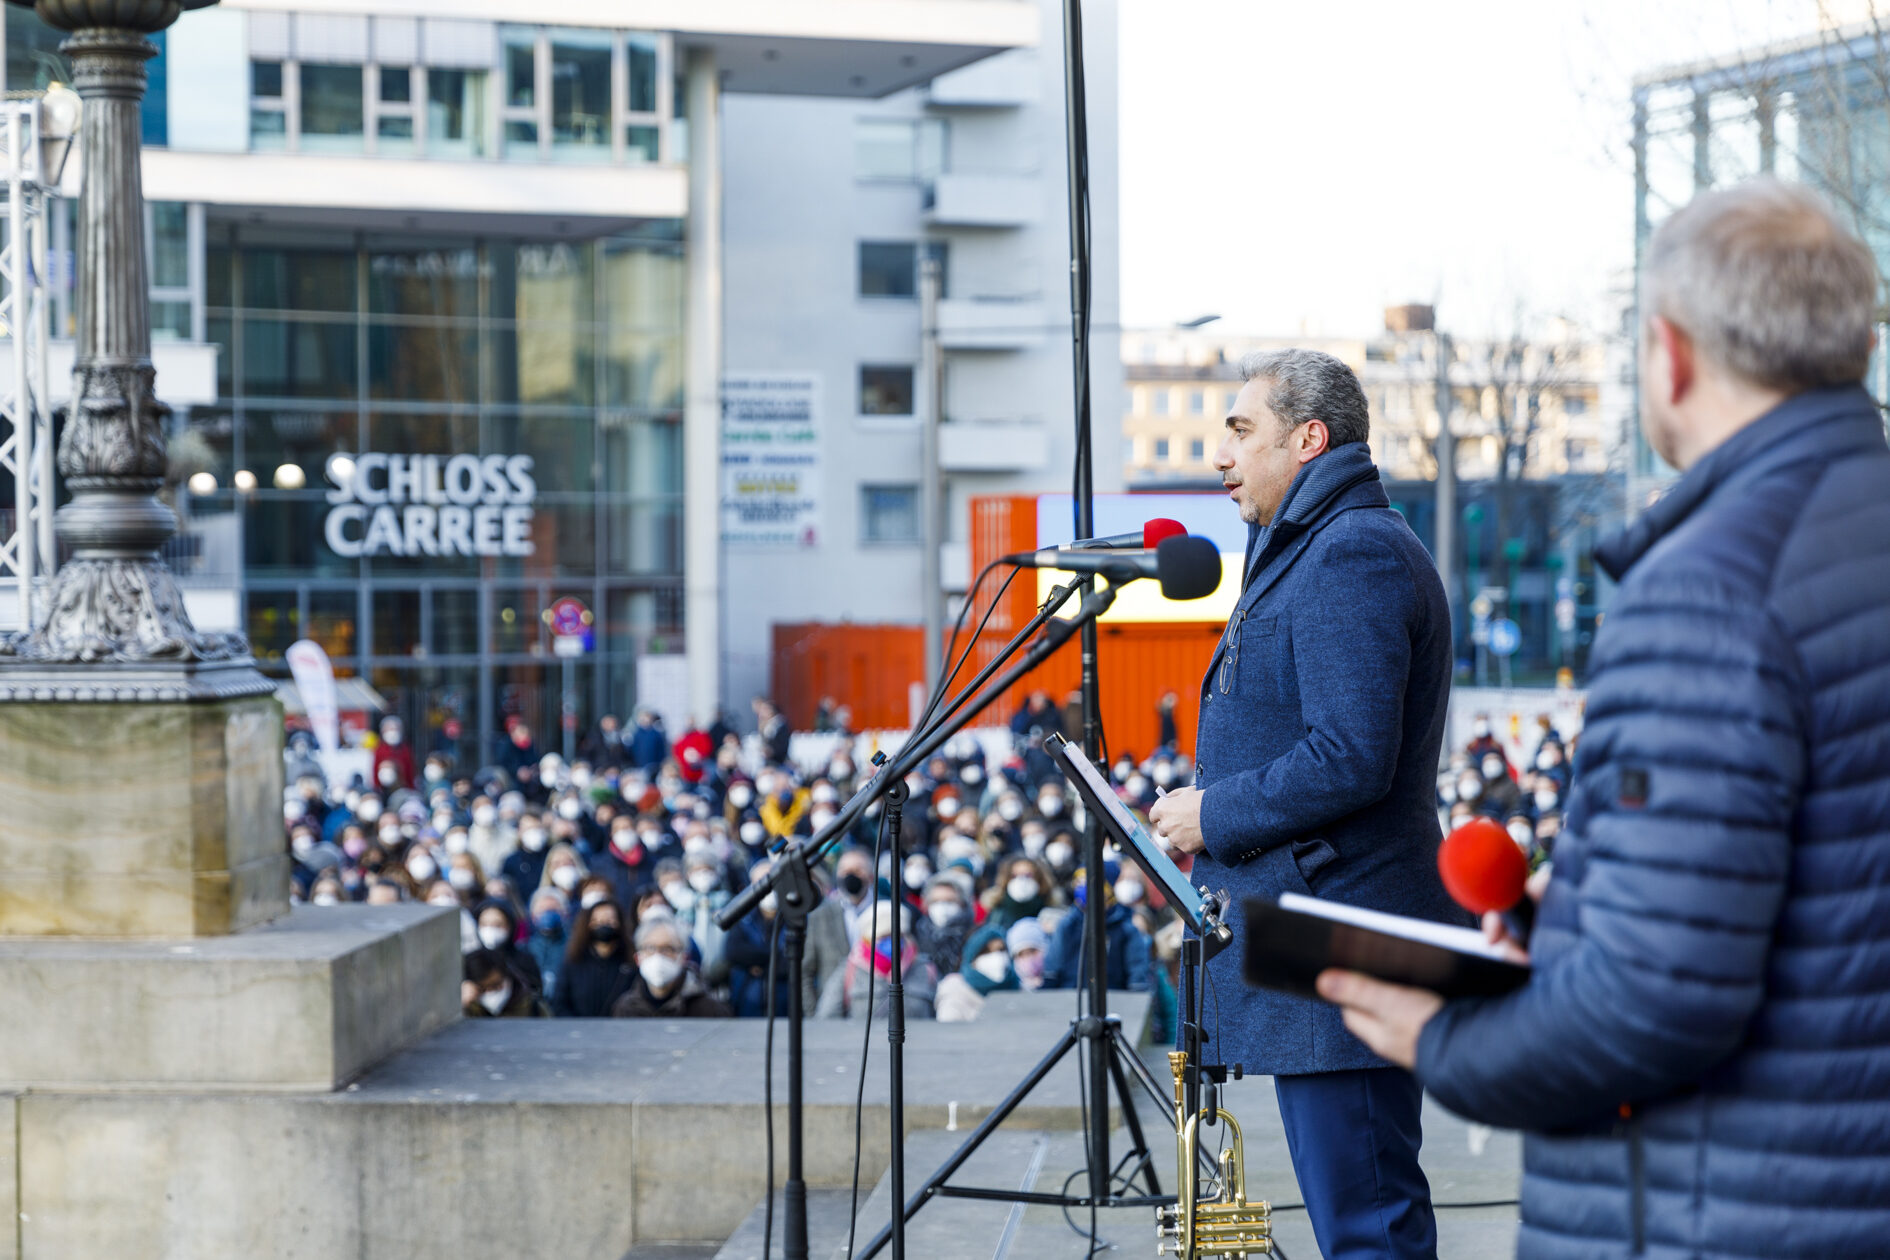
(1354, 1137)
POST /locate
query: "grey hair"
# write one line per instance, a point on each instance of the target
(1768, 283)
(654, 923)
(1312, 385)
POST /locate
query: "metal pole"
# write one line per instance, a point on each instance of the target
(26, 504)
(702, 414)
(794, 1193)
(1446, 499)
(931, 479)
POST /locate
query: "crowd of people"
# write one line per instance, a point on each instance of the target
(591, 888)
(1527, 798)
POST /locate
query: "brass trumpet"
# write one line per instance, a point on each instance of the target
(1224, 1224)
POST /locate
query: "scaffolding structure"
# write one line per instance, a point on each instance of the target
(28, 552)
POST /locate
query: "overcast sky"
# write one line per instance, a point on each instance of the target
(1296, 167)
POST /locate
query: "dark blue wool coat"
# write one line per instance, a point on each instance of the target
(1322, 715)
(1703, 1052)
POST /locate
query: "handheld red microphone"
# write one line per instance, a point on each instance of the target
(1161, 527)
(1483, 869)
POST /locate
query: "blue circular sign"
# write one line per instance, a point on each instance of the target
(1505, 637)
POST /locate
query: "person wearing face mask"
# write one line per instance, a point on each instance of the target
(463, 873)
(946, 925)
(1500, 796)
(738, 801)
(1027, 943)
(598, 968)
(1050, 803)
(1482, 739)
(869, 966)
(1021, 892)
(564, 870)
(1128, 949)
(498, 928)
(984, 968)
(1551, 763)
(550, 911)
(835, 926)
(636, 846)
(525, 865)
(327, 891)
(665, 987)
(1060, 855)
(707, 893)
(784, 808)
(747, 951)
(489, 989)
(393, 750)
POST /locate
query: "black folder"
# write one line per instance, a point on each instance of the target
(1290, 941)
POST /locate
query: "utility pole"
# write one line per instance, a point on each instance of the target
(1446, 530)
(931, 480)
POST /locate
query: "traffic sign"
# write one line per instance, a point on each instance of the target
(1505, 637)
(570, 623)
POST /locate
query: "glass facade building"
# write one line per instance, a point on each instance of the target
(425, 363)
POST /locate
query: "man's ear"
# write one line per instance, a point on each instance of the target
(1315, 439)
(1676, 352)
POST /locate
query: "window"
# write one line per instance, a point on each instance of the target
(643, 73)
(1197, 450)
(1161, 401)
(332, 120)
(1161, 449)
(889, 269)
(1197, 402)
(889, 514)
(899, 149)
(393, 111)
(268, 117)
(886, 390)
(580, 97)
(456, 113)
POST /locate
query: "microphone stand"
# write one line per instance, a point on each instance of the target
(791, 879)
(889, 824)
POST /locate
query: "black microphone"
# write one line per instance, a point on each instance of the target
(1187, 567)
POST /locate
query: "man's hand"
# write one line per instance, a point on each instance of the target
(1386, 1017)
(1176, 817)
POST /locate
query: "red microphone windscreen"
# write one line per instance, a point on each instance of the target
(1482, 867)
(1159, 528)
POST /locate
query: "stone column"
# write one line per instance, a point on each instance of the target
(140, 759)
(702, 409)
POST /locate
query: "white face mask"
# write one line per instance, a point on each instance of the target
(460, 878)
(580, 778)
(1522, 834)
(948, 808)
(422, 867)
(1010, 810)
(1021, 888)
(753, 833)
(325, 899)
(972, 774)
(443, 899)
(659, 971)
(388, 775)
(533, 838)
(591, 898)
(1545, 800)
(678, 894)
(494, 1000)
(741, 796)
(456, 842)
(1129, 891)
(1492, 769)
(393, 738)
(991, 966)
(565, 877)
(1033, 843)
(1050, 806)
(825, 793)
(941, 912)
(820, 818)
(701, 880)
(485, 815)
(493, 937)
(768, 903)
(1469, 788)
(1059, 854)
(1164, 774)
(302, 843)
(1137, 785)
(368, 810)
(1547, 761)
(570, 810)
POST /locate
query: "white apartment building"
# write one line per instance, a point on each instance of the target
(830, 206)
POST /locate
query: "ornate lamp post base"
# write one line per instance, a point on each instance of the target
(140, 760)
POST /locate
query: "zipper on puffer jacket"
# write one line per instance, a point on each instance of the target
(1630, 1127)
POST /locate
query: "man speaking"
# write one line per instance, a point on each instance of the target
(1702, 1052)
(1322, 715)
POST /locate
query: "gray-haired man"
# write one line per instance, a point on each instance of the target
(1703, 1051)
(1322, 715)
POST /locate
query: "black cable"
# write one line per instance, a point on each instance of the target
(964, 609)
(866, 1038)
(767, 1091)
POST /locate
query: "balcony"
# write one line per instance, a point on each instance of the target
(983, 201)
(993, 446)
(1003, 82)
(986, 323)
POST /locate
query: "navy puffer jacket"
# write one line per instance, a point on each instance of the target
(1703, 1053)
